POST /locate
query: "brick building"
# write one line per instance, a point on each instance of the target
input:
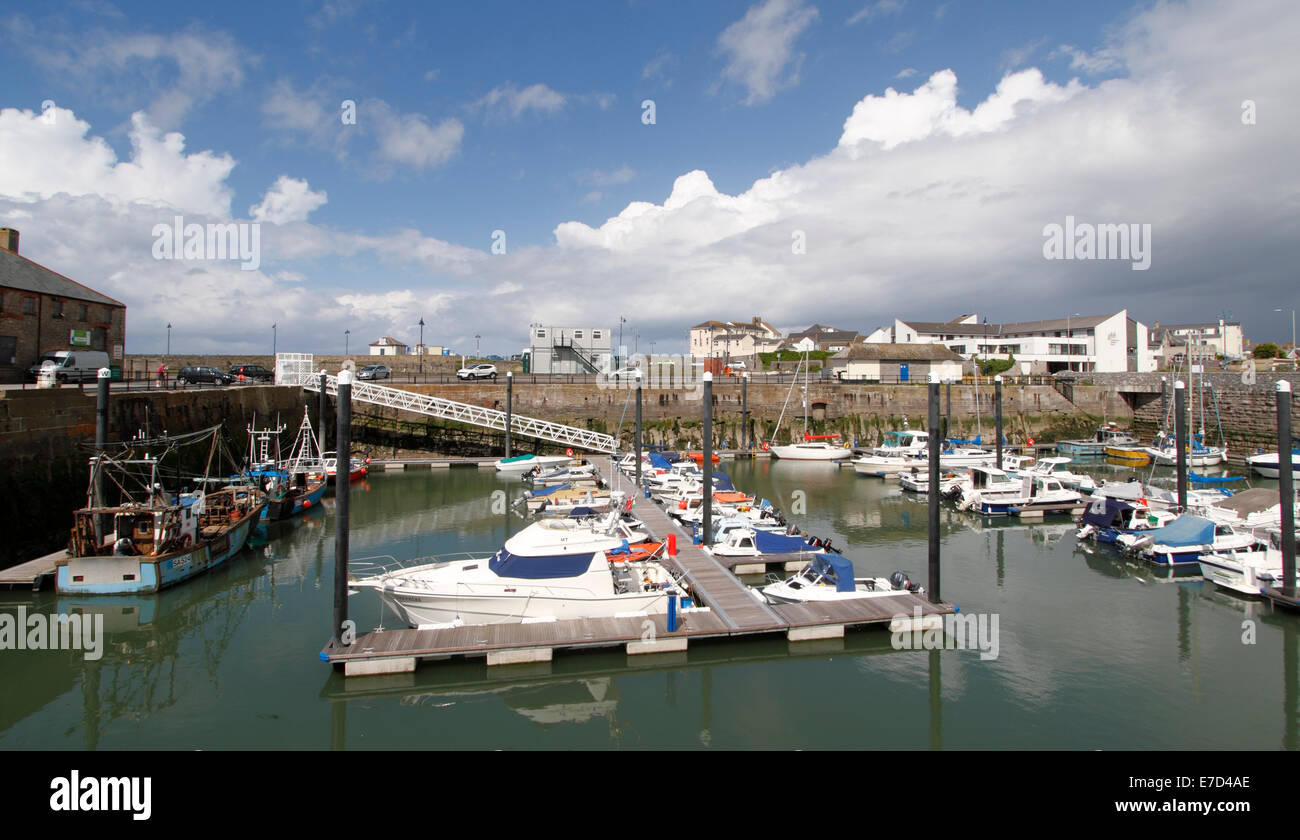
(41, 310)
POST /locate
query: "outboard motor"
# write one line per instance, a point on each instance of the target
(899, 580)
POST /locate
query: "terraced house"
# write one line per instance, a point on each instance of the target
(41, 310)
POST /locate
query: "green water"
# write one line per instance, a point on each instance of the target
(1094, 651)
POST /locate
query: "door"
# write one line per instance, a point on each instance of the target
(902, 372)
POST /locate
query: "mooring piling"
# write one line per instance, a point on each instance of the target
(342, 486)
(933, 585)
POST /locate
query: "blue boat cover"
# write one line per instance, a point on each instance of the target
(768, 543)
(546, 491)
(505, 564)
(659, 462)
(835, 568)
(580, 512)
(1184, 531)
(722, 481)
(1105, 512)
(1215, 479)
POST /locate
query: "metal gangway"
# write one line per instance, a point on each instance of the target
(295, 369)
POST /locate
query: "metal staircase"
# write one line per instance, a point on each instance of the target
(577, 352)
(442, 409)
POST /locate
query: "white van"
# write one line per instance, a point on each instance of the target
(71, 365)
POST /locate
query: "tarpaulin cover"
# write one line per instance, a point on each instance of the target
(505, 564)
(835, 568)
(769, 543)
(1184, 531)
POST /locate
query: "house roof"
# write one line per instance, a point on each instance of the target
(896, 352)
(821, 334)
(18, 272)
(1015, 328)
(388, 340)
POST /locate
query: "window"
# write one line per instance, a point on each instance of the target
(29, 306)
(83, 312)
(595, 335)
(58, 309)
(577, 333)
(541, 333)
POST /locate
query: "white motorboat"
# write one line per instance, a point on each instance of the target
(751, 542)
(900, 451)
(830, 578)
(988, 490)
(1266, 464)
(553, 569)
(524, 463)
(1057, 468)
(1183, 540)
(1041, 495)
(917, 479)
(565, 499)
(1247, 570)
(1165, 453)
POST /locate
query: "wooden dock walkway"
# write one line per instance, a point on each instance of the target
(724, 607)
(33, 575)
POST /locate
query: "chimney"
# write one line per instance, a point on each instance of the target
(9, 239)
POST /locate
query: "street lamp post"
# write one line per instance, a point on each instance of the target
(476, 350)
(621, 322)
(421, 351)
(347, 336)
(273, 337)
(169, 338)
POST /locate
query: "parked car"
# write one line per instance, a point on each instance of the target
(623, 373)
(483, 371)
(496, 358)
(71, 365)
(374, 372)
(252, 373)
(203, 373)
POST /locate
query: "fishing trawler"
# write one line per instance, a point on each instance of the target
(152, 538)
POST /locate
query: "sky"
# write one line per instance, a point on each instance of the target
(649, 165)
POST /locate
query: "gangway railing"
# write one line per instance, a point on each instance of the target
(460, 412)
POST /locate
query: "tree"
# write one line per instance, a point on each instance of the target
(1266, 351)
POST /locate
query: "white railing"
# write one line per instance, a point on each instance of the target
(474, 415)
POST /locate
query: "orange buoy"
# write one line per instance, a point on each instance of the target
(306, 503)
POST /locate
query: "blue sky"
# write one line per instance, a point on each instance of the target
(771, 118)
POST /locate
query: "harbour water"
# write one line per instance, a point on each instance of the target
(1094, 651)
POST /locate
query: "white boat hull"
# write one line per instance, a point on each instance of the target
(798, 452)
(500, 607)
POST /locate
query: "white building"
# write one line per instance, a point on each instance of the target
(1103, 343)
(891, 363)
(1222, 338)
(387, 346)
(723, 339)
(568, 349)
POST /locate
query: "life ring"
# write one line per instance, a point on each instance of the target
(569, 452)
(628, 507)
(185, 541)
(1030, 441)
(765, 446)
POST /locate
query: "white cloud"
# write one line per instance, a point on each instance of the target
(510, 102)
(905, 73)
(288, 200)
(932, 109)
(178, 72)
(1103, 60)
(879, 9)
(759, 48)
(601, 178)
(409, 139)
(40, 158)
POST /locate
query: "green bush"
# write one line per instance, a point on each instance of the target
(1267, 351)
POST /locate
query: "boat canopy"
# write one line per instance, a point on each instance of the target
(546, 491)
(1184, 531)
(769, 543)
(517, 459)
(659, 462)
(505, 564)
(722, 481)
(1105, 512)
(835, 568)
